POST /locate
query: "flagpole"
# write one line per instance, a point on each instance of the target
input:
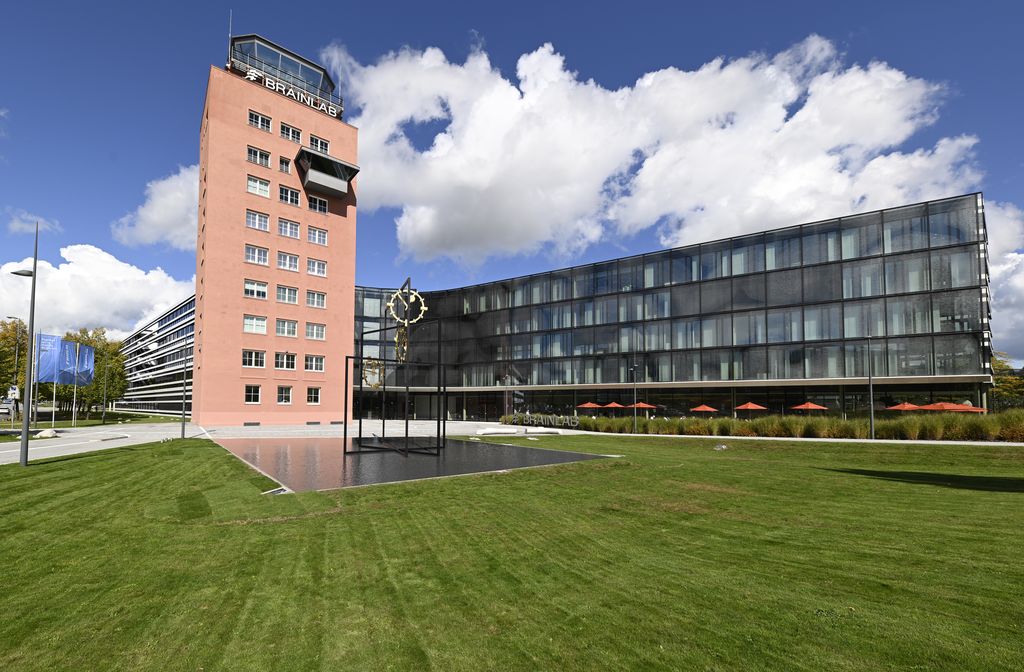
(74, 395)
(53, 407)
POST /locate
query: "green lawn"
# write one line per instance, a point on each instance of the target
(764, 556)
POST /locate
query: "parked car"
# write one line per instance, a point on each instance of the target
(7, 407)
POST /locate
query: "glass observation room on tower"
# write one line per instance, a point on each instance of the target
(262, 54)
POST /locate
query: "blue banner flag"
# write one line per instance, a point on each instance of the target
(86, 364)
(48, 349)
(76, 363)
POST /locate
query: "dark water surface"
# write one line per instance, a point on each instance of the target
(320, 463)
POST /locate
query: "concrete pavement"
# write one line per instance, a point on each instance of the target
(72, 441)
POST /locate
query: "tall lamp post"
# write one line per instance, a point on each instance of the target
(633, 370)
(31, 335)
(17, 345)
(184, 370)
(871, 391)
(106, 370)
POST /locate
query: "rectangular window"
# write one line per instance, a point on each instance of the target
(257, 255)
(287, 294)
(785, 361)
(288, 195)
(957, 355)
(823, 323)
(288, 228)
(862, 278)
(953, 222)
(784, 288)
(862, 236)
(864, 318)
(716, 331)
(685, 265)
(254, 289)
(782, 249)
(748, 255)
(824, 283)
(314, 362)
(284, 394)
(288, 262)
(252, 394)
(715, 296)
(257, 220)
(905, 229)
(319, 144)
(316, 236)
(749, 328)
(955, 268)
(291, 133)
(821, 243)
(258, 156)
(255, 185)
(824, 361)
(254, 359)
(316, 267)
(907, 273)
(288, 328)
(686, 333)
(785, 324)
(317, 204)
(748, 292)
(909, 315)
(909, 356)
(285, 165)
(254, 324)
(284, 361)
(956, 311)
(715, 260)
(257, 120)
(317, 332)
(316, 299)
(313, 396)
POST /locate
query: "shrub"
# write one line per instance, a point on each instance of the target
(932, 428)
(814, 428)
(1011, 425)
(722, 427)
(744, 428)
(980, 428)
(767, 425)
(696, 426)
(791, 425)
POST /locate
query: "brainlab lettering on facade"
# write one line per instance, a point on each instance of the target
(298, 95)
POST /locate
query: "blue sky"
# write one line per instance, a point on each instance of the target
(100, 102)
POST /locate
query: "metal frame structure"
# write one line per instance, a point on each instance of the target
(360, 443)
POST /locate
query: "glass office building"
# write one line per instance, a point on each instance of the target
(801, 313)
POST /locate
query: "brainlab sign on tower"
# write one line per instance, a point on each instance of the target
(297, 95)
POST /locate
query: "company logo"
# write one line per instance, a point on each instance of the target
(253, 75)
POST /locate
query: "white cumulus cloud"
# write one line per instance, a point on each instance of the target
(168, 215)
(21, 221)
(92, 288)
(548, 160)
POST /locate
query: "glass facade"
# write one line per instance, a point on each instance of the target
(791, 305)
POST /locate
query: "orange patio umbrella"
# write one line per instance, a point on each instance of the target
(703, 408)
(750, 406)
(589, 404)
(641, 404)
(956, 408)
(614, 404)
(808, 406)
(904, 406)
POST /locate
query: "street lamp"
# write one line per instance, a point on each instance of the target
(31, 334)
(633, 370)
(871, 391)
(17, 345)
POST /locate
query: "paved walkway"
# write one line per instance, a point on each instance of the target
(71, 441)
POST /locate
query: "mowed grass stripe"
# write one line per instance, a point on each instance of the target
(762, 556)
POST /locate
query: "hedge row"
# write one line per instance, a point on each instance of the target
(1006, 426)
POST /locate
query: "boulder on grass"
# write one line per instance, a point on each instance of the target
(47, 434)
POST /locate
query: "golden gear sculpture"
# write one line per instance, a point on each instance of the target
(408, 297)
(414, 297)
(373, 368)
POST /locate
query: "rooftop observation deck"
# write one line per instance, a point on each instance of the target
(252, 52)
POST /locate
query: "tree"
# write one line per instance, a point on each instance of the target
(13, 340)
(1009, 387)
